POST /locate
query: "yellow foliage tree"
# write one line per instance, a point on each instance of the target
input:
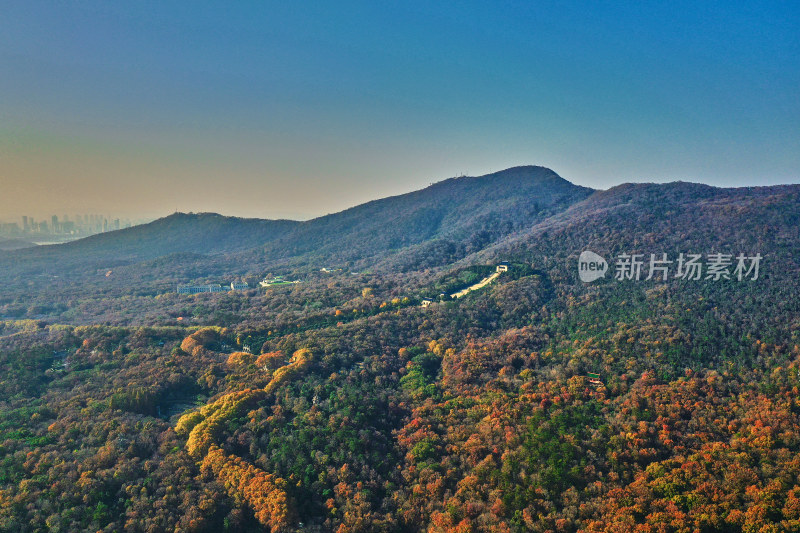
(241, 358)
(264, 493)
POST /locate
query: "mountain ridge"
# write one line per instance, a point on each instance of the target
(509, 213)
(457, 208)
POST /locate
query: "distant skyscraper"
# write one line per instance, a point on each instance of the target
(25, 224)
(54, 221)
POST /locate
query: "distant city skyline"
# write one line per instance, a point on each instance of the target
(80, 218)
(271, 111)
(62, 228)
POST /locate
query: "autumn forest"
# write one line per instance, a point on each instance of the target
(342, 404)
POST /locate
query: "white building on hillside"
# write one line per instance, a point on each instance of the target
(197, 289)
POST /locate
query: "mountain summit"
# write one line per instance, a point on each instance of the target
(465, 212)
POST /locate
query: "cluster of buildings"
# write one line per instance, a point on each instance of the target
(234, 286)
(65, 226)
(213, 287)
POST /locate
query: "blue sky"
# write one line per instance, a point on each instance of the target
(271, 110)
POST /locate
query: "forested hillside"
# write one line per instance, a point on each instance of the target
(536, 403)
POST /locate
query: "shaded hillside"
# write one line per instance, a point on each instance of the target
(206, 233)
(462, 214)
(15, 244)
(203, 233)
(450, 219)
(662, 218)
(478, 208)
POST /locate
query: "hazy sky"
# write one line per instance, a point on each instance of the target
(281, 109)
